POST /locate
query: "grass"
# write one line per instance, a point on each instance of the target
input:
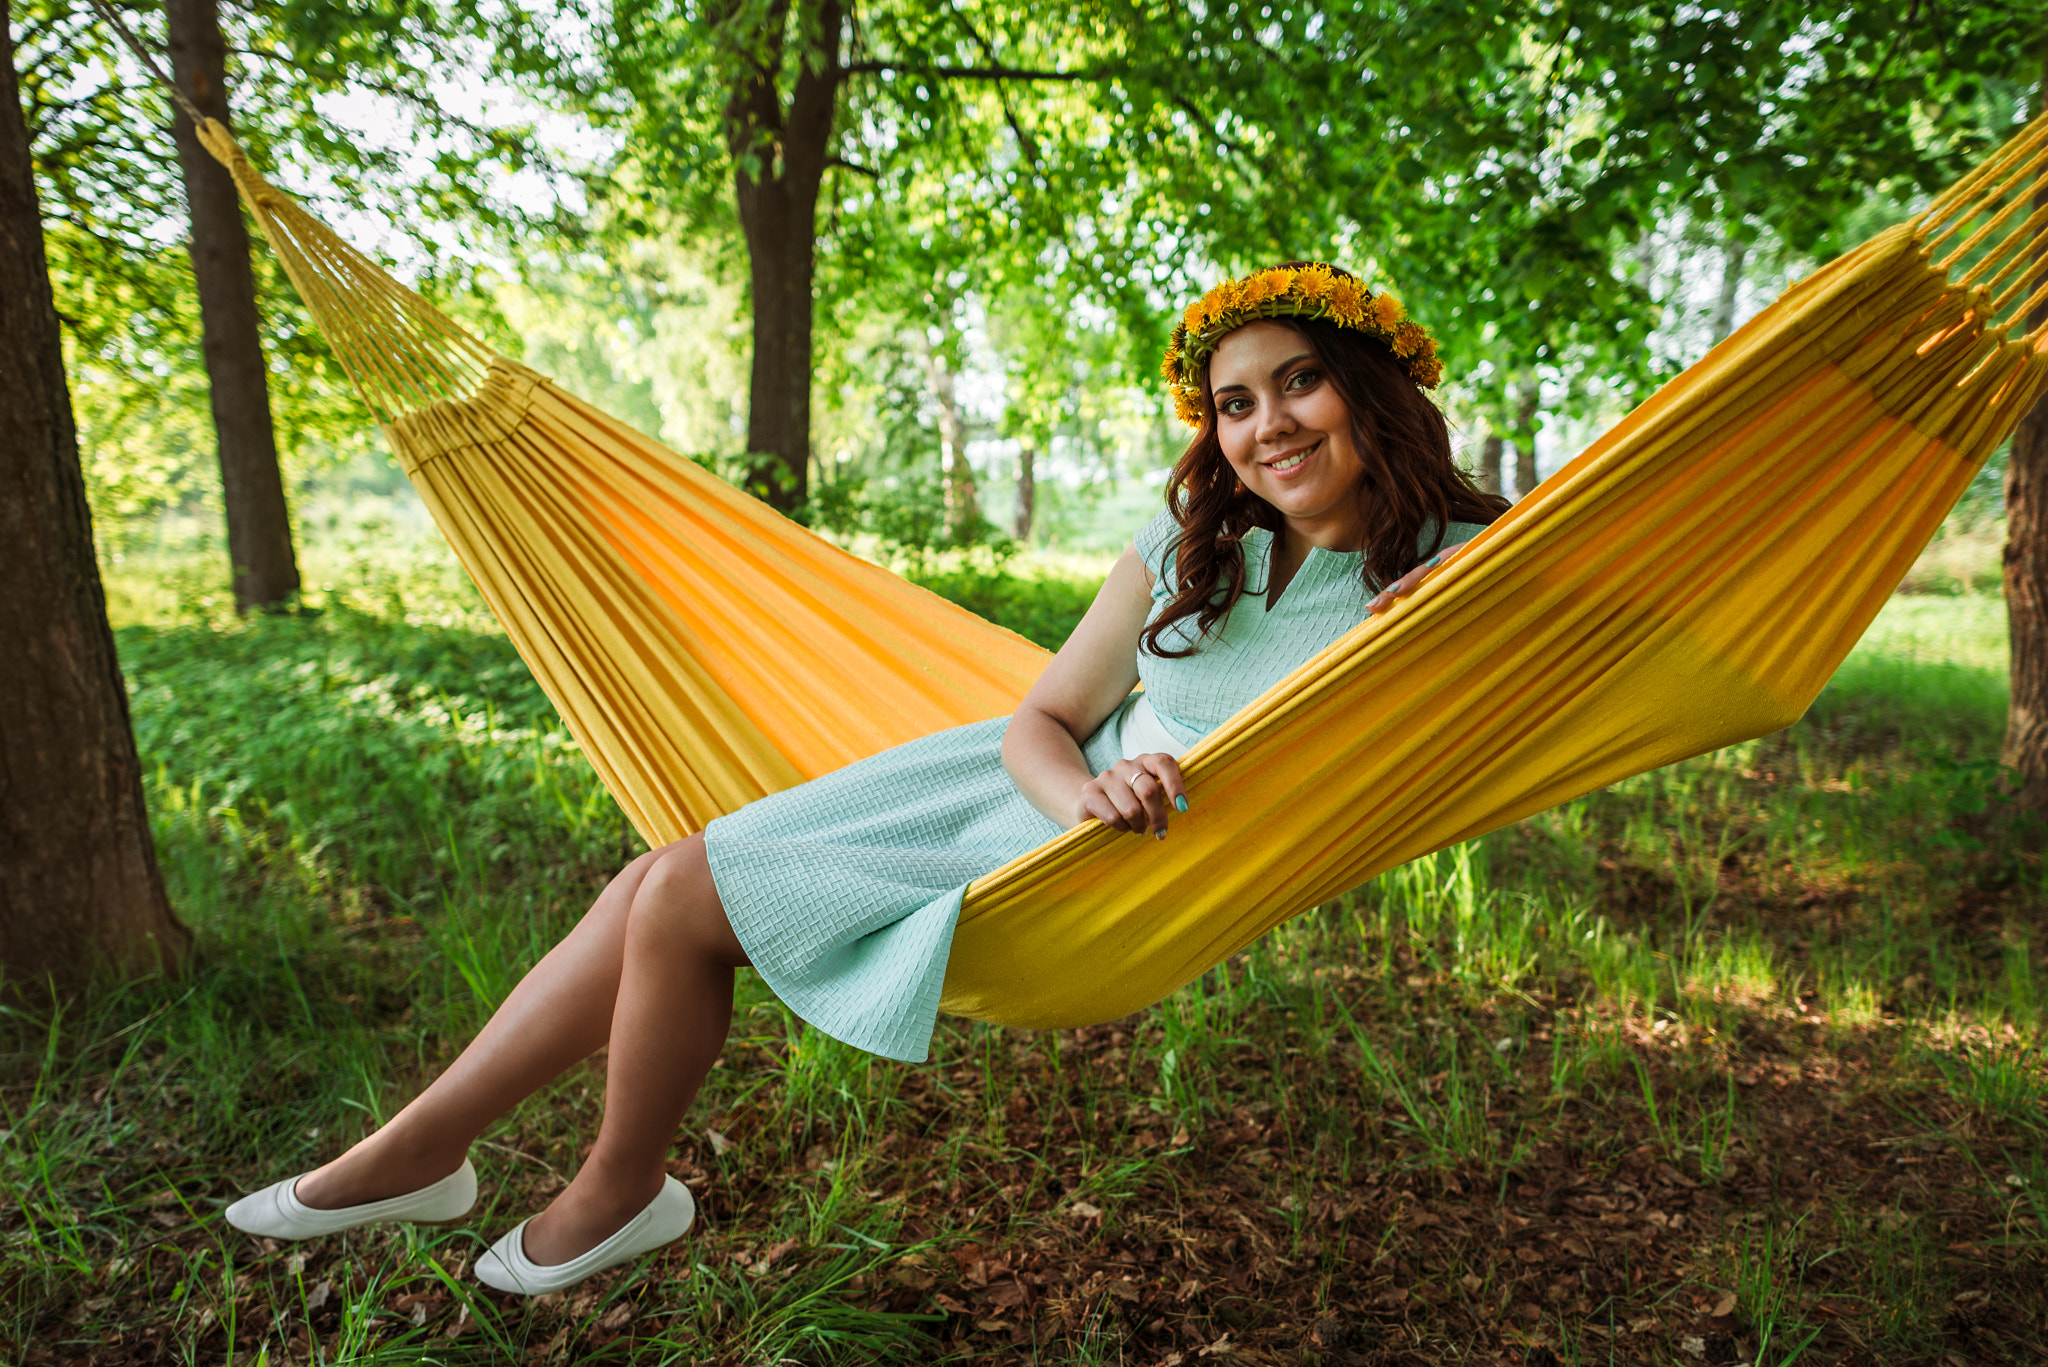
(1738, 1061)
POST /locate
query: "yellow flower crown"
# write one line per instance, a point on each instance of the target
(1316, 290)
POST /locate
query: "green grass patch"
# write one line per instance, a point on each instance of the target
(1738, 1061)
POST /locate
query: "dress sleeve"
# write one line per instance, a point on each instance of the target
(1155, 541)
(1457, 535)
(1460, 533)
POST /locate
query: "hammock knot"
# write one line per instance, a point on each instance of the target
(215, 138)
(261, 194)
(483, 419)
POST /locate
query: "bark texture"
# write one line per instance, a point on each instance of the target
(266, 571)
(1489, 462)
(780, 159)
(78, 874)
(1734, 252)
(1531, 393)
(2026, 590)
(962, 500)
(2026, 601)
(1027, 492)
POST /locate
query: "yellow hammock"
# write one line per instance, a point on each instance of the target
(1691, 580)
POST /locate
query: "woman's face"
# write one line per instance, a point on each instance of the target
(1284, 428)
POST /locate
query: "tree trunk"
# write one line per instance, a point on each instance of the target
(78, 874)
(1489, 463)
(779, 164)
(1027, 492)
(963, 507)
(2026, 605)
(1525, 437)
(266, 572)
(2026, 588)
(1733, 252)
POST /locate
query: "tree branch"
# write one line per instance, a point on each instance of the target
(1206, 124)
(971, 73)
(1026, 144)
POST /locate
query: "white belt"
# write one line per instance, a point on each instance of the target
(1142, 733)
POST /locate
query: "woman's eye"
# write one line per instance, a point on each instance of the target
(1302, 379)
(1234, 407)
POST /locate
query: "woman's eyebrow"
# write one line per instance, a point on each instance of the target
(1278, 371)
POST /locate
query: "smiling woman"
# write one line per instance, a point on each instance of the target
(1315, 430)
(1322, 481)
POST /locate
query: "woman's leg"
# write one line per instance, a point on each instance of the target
(674, 1006)
(560, 1013)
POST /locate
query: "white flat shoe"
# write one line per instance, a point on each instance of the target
(664, 1219)
(276, 1212)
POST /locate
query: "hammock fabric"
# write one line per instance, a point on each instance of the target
(1690, 581)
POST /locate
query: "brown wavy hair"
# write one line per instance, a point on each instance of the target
(1409, 483)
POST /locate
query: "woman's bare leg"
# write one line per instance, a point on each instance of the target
(674, 1006)
(560, 1013)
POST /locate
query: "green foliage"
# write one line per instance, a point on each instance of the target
(1038, 603)
(1053, 179)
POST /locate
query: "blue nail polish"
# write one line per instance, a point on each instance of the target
(1159, 835)
(1180, 804)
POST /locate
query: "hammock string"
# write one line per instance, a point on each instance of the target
(1690, 580)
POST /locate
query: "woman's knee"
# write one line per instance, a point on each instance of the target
(678, 904)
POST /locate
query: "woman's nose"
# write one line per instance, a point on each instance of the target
(1276, 422)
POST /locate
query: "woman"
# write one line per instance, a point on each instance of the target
(1319, 473)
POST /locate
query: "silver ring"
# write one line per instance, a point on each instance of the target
(1133, 779)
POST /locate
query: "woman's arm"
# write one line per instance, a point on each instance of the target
(1093, 673)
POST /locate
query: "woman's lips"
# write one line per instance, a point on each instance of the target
(1293, 463)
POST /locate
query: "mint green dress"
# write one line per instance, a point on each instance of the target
(844, 890)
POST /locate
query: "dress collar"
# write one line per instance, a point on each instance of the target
(1318, 566)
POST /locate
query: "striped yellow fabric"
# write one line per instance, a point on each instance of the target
(1691, 580)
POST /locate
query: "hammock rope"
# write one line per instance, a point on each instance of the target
(1689, 581)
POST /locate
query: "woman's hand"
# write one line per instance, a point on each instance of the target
(1412, 580)
(1135, 795)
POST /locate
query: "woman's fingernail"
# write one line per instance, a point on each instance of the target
(1180, 804)
(1159, 834)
